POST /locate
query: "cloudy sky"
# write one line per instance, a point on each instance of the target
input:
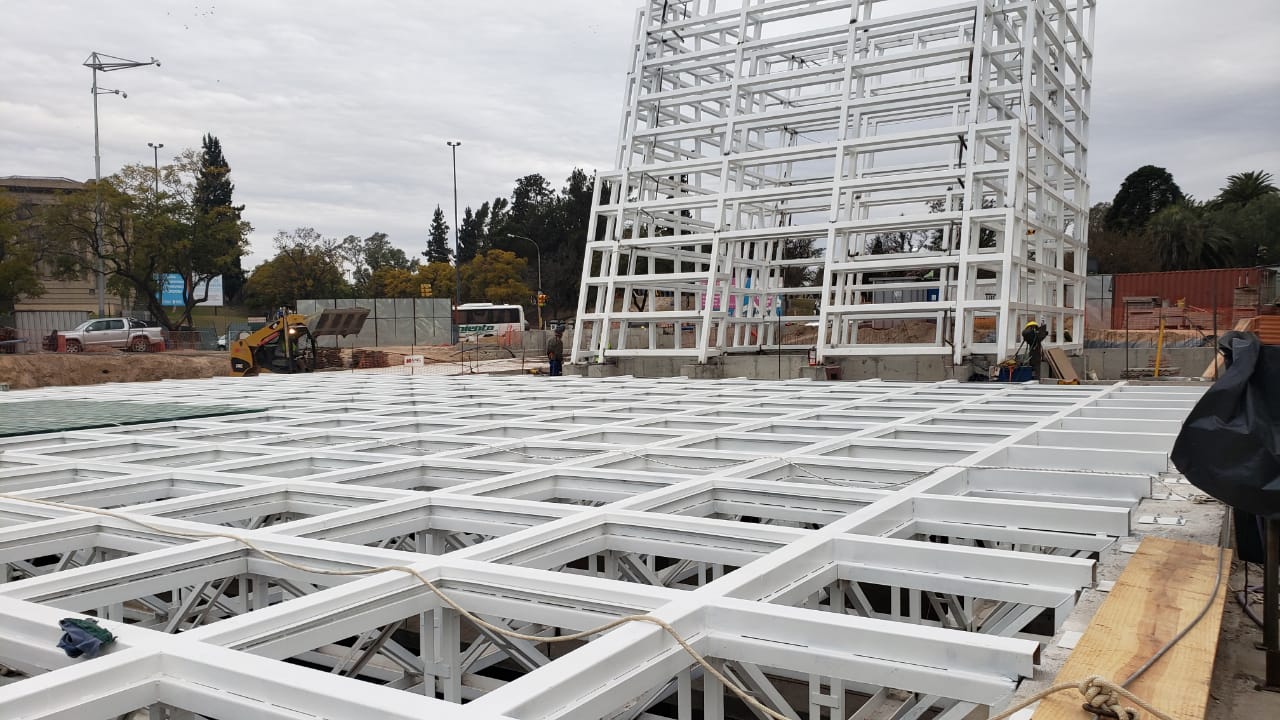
(334, 114)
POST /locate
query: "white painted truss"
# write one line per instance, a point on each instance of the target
(837, 549)
(865, 177)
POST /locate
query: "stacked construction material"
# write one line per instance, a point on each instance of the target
(1268, 329)
(368, 359)
(7, 335)
(329, 358)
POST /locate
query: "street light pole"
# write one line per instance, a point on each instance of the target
(100, 62)
(457, 273)
(155, 147)
(539, 249)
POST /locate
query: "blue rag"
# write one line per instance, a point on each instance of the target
(82, 638)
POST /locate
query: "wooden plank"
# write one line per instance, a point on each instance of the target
(1062, 367)
(1165, 585)
(1215, 368)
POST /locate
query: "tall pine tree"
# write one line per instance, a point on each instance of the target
(215, 216)
(468, 236)
(438, 239)
(1146, 191)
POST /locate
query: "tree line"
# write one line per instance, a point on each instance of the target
(1151, 225)
(139, 225)
(499, 243)
(181, 219)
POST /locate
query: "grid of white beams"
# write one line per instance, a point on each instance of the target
(838, 548)
(885, 161)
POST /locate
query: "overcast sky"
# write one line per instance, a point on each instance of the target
(334, 114)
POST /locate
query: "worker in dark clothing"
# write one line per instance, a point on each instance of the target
(1033, 335)
(555, 352)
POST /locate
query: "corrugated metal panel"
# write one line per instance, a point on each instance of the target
(1205, 289)
(35, 326)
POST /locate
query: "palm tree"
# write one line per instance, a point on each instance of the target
(1184, 239)
(1243, 188)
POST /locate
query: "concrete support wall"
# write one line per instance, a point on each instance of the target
(1109, 364)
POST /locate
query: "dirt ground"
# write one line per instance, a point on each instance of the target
(21, 372)
(1240, 666)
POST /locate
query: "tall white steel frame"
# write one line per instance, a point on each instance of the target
(871, 549)
(914, 164)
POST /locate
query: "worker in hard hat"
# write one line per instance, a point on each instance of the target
(1033, 334)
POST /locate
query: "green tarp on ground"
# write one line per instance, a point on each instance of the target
(46, 416)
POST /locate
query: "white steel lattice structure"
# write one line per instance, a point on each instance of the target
(912, 171)
(834, 547)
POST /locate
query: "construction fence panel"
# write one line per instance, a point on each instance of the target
(205, 338)
(36, 325)
(392, 322)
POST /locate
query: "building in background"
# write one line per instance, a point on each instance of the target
(71, 297)
(912, 172)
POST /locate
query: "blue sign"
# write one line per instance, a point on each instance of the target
(171, 291)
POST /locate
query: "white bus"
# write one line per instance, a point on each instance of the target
(479, 320)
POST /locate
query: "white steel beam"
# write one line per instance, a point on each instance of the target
(768, 523)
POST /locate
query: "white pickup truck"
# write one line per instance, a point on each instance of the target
(121, 333)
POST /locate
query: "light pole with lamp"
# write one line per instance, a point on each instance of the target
(539, 297)
(155, 147)
(99, 62)
(457, 273)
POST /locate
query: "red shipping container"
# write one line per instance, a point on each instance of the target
(1203, 289)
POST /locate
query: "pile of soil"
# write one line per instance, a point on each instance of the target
(35, 370)
(1148, 338)
(900, 332)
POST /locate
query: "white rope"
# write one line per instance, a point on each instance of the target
(1099, 694)
(742, 693)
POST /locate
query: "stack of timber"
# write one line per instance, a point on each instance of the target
(1141, 373)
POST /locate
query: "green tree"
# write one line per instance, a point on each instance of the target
(471, 233)
(18, 256)
(1146, 191)
(370, 255)
(800, 249)
(569, 233)
(306, 265)
(1243, 188)
(1185, 239)
(391, 282)
(1254, 229)
(438, 239)
(558, 222)
(212, 200)
(441, 278)
(495, 276)
(1119, 252)
(184, 230)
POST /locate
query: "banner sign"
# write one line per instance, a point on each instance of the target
(171, 291)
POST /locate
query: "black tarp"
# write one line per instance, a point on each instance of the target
(1229, 446)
